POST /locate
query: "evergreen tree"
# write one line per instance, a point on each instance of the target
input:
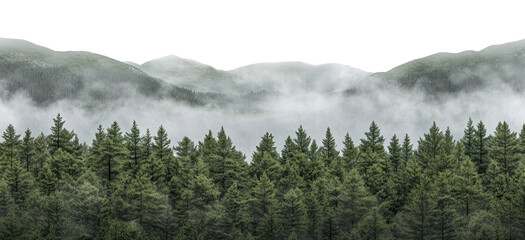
(374, 140)
(328, 150)
(27, 150)
(372, 227)
(468, 139)
(294, 215)
(395, 151)
(112, 152)
(302, 141)
(41, 155)
(349, 153)
(146, 145)
(263, 207)
(447, 219)
(233, 219)
(11, 146)
(288, 151)
(480, 156)
(505, 148)
(265, 158)
(430, 147)
(355, 201)
(60, 137)
(406, 149)
(419, 217)
(133, 140)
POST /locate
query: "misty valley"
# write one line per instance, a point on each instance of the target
(95, 148)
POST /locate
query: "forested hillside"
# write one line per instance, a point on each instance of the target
(140, 185)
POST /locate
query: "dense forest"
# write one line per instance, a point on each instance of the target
(138, 185)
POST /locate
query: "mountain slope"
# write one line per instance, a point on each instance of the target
(499, 66)
(192, 75)
(289, 77)
(47, 76)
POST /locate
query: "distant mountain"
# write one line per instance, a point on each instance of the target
(47, 76)
(290, 77)
(495, 67)
(193, 75)
(281, 77)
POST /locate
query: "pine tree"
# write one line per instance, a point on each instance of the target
(430, 147)
(302, 141)
(145, 201)
(146, 145)
(355, 201)
(447, 219)
(288, 151)
(233, 219)
(505, 148)
(395, 151)
(113, 151)
(328, 150)
(133, 140)
(467, 187)
(265, 158)
(163, 153)
(11, 146)
(372, 227)
(480, 144)
(349, 153)
(468, 139)
(406, 149)
(262, 202)
(41, 153)
(419, 217)
(19, 181)
(374, 140)
(60, 137)
(294, 215)
(27, 150)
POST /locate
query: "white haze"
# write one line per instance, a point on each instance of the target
(396, 111)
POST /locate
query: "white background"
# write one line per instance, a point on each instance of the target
(371, 35)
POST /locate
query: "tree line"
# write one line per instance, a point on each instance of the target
(134, 185)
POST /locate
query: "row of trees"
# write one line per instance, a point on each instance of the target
(138, 186)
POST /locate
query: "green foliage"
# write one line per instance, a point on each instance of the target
(128, 186)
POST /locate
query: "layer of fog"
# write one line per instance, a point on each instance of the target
(396, 112)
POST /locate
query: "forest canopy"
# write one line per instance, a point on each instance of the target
(140, 185)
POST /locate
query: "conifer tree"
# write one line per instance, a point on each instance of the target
(447, 219)
(395, 151)
(302, 141)
(467, 187)
(113, 150)
(374, 140)
(505, 148)
(233, 219)
(41, 153)
(294, 215)
(419, 217)
(262, 203)
(349, 153)
(145, 202)
(60, 137)
(480, 144)
(146, 145)
(19, 181)
(355, 201)
(133, 140)
(328, 150)
(229, 166)
(406, 149)
(27, 150)
(468, 139)
(265, 158)
(430, 147)
(288, 151)
(11, 145)
(372, 227)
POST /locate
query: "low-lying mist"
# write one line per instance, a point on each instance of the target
(397, 111)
